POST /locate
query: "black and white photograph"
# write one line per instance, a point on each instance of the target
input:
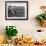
(16, 10)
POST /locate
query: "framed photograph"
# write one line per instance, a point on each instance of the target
(16, 10)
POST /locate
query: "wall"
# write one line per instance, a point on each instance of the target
(25, 27)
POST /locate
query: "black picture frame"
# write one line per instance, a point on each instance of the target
(7, 13)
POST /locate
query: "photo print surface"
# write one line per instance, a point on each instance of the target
(16, 11)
